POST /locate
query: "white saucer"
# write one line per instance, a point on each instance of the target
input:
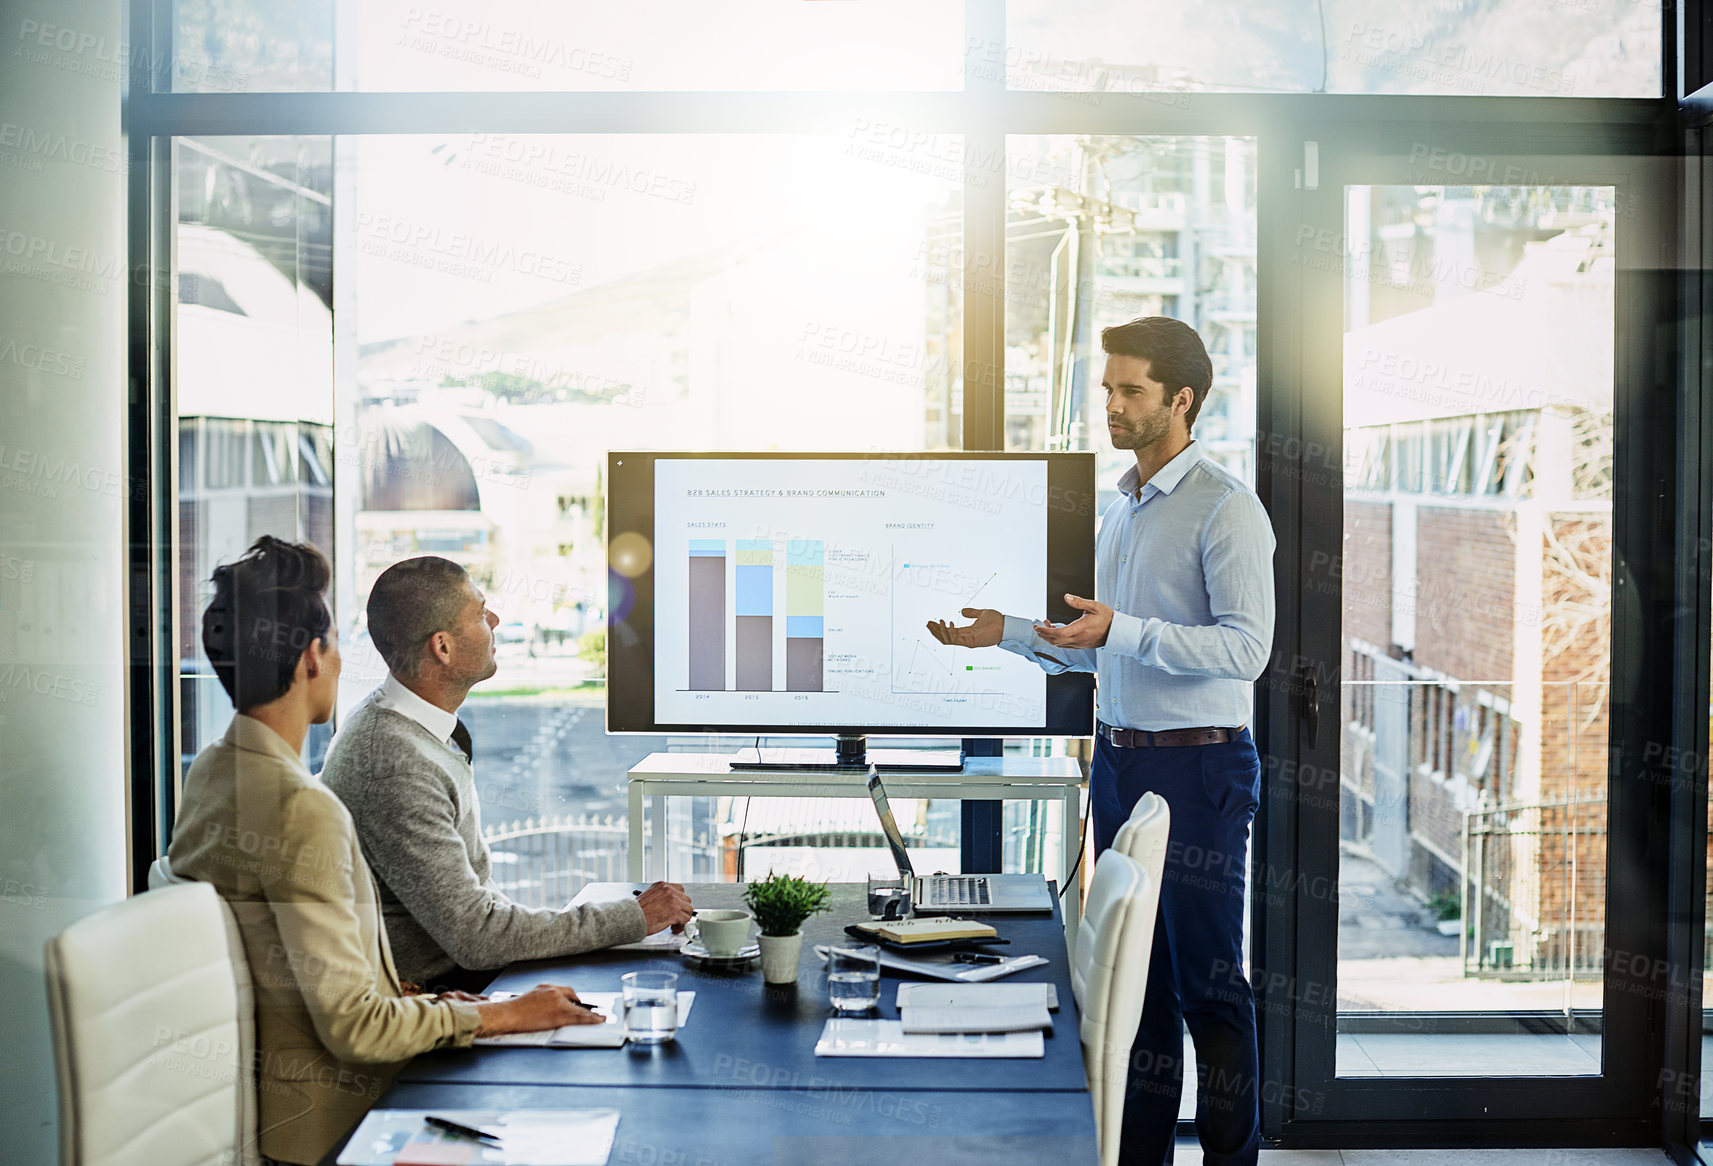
(694, 950)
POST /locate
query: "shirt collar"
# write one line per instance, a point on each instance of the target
(255, 736)
(394, 695)
(1167, 477)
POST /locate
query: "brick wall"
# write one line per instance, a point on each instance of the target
(1367, 571)
(1466, 592)
(1575, 711)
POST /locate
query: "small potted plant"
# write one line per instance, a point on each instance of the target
(780, 904)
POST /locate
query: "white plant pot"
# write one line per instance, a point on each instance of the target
(779, 957)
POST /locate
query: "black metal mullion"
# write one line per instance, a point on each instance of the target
(1644, 514)
(1374, 117)
(1279, 372)
(1687, 778)
(151, 701)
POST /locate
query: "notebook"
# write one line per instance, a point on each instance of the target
(987, 1018)
(530, 1137)
(931, 929)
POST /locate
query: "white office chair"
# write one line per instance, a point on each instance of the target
(1108, 976)
(153, 1021)
(161, 875)
(1143, 835)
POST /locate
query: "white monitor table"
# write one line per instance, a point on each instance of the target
(662, 775)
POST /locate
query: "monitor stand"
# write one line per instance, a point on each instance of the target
(852, 754)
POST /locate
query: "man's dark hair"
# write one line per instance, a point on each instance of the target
(411, 601)
(267, 608)
(1175, 354)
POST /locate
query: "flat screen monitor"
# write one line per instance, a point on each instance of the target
(789, 593)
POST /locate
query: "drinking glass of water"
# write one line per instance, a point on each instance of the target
(853, 978)
(888, 898)
(650, 1002)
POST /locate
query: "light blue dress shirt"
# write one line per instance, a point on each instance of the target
(1187, 566)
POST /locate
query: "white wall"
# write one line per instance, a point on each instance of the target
(62, 398)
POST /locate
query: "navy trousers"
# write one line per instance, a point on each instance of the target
(1195, 974)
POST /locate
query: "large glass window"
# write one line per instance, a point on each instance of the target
(1102, 229)
(254, 376)
(1477, 576)
(510, 309)
(649, 46)
(1585, 48)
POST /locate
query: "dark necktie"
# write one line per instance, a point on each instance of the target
(461, 738)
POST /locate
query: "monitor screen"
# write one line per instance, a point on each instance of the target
(791, 592)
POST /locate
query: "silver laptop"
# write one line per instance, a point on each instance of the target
(957, 894)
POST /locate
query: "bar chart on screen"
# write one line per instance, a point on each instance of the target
(806, 596)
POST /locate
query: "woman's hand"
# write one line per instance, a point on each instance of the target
(543, 1007)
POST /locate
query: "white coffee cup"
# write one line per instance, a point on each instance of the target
(723, 932)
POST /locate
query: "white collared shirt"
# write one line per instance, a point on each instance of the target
(1186, 563)
(395, 696)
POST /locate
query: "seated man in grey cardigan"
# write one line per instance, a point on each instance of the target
(402, 765)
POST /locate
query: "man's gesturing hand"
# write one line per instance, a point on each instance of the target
(543, 1007)
(664, 905)
(1087, 631)
(985, 632)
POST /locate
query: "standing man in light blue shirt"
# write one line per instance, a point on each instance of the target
(1181, 627)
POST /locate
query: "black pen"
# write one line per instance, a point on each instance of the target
(452, 1127)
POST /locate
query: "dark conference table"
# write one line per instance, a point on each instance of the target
(742, 1085)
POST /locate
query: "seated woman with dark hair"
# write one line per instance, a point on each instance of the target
(333, 1021)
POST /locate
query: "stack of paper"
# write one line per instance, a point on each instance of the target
(887, 1038)
(609, 1034)
(965, 1008)
(962, 995)
(1004, 1018)
(531, 1137)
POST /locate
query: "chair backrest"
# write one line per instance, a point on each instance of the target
(1143, 835)
(1109, 975)
(161, 874)
(153, 1028)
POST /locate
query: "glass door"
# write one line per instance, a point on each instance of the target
(1458, 950)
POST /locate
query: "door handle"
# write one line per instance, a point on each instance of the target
(1309, 708)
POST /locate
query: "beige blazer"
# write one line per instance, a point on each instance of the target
(332, 1022)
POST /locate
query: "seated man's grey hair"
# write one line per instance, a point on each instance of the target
(411, 601)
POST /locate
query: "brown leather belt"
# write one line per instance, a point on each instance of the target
(1137, 738)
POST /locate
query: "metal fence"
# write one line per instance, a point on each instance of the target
(543, 862)
(1533, 890)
